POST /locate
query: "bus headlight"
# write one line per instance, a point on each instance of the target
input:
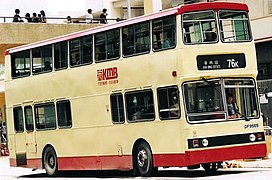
(205, 142)
(252, 137)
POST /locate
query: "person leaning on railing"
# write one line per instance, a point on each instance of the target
(17, 17)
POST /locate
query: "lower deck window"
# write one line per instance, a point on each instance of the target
(140, 106)
(64, 114)
(117, 108)
(168, 99)
(18, 119)
(45, 116)
(29, 118)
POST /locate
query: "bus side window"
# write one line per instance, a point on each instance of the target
(18, 119)
(29, 118)
(107, 45)
(140, 106)
(164, 33)
(45, 116)
(64, 114)
(61, 55)
(81, 51)
(117, 108)
(136, 38)
(168, 102)
(42, 59)
(20, 64)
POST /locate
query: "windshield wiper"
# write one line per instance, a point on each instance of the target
(211, 84)
(243, 116)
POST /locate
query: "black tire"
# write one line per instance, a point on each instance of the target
(212, 167)
(143, 160)
(50, 161)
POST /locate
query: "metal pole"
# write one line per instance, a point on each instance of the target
(128, 9)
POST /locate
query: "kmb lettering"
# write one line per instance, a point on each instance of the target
(107, 74)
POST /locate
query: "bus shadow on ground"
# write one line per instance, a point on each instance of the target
(128, 174)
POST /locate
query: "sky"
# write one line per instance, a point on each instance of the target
(53, 8)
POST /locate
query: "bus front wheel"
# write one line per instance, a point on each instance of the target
(50, 161)
(143, 160)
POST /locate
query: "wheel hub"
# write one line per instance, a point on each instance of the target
(142, 158)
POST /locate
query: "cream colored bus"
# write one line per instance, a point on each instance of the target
(175, 88)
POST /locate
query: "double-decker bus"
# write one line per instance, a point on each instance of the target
(175, 88)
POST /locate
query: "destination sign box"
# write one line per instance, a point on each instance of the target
(222, 61)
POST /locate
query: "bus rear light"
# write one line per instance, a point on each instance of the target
(174, 73)
(252, 137)
(195, 143)
(259, 136)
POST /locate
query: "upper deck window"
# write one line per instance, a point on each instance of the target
(199, 27)
(61, 55)
(42, 59)
(20, 64)
(81, 51)
(136, 39)
(234, 26)
(107, 45)
(164, 33)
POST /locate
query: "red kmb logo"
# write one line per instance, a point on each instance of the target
(107, 74)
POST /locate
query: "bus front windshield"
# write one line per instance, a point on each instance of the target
(220, 99)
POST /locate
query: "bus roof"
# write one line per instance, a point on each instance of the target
(215, 6)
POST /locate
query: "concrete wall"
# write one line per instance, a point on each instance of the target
(15, 34)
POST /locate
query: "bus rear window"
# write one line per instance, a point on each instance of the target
(234, 26)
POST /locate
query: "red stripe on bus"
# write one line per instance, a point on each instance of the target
(95, 162)
(31, 163)
(211, 155)
(216, 6)
(160, 160)
(12, 162)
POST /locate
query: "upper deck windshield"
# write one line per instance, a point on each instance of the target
(202, 27)
(220, 99)
(234, 26)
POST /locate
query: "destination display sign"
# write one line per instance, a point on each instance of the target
(221, 61)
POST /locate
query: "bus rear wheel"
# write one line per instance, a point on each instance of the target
(50, 161)
(143, 160)
(211, 167)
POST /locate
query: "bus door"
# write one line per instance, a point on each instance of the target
(30, 135)
(18, 140)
